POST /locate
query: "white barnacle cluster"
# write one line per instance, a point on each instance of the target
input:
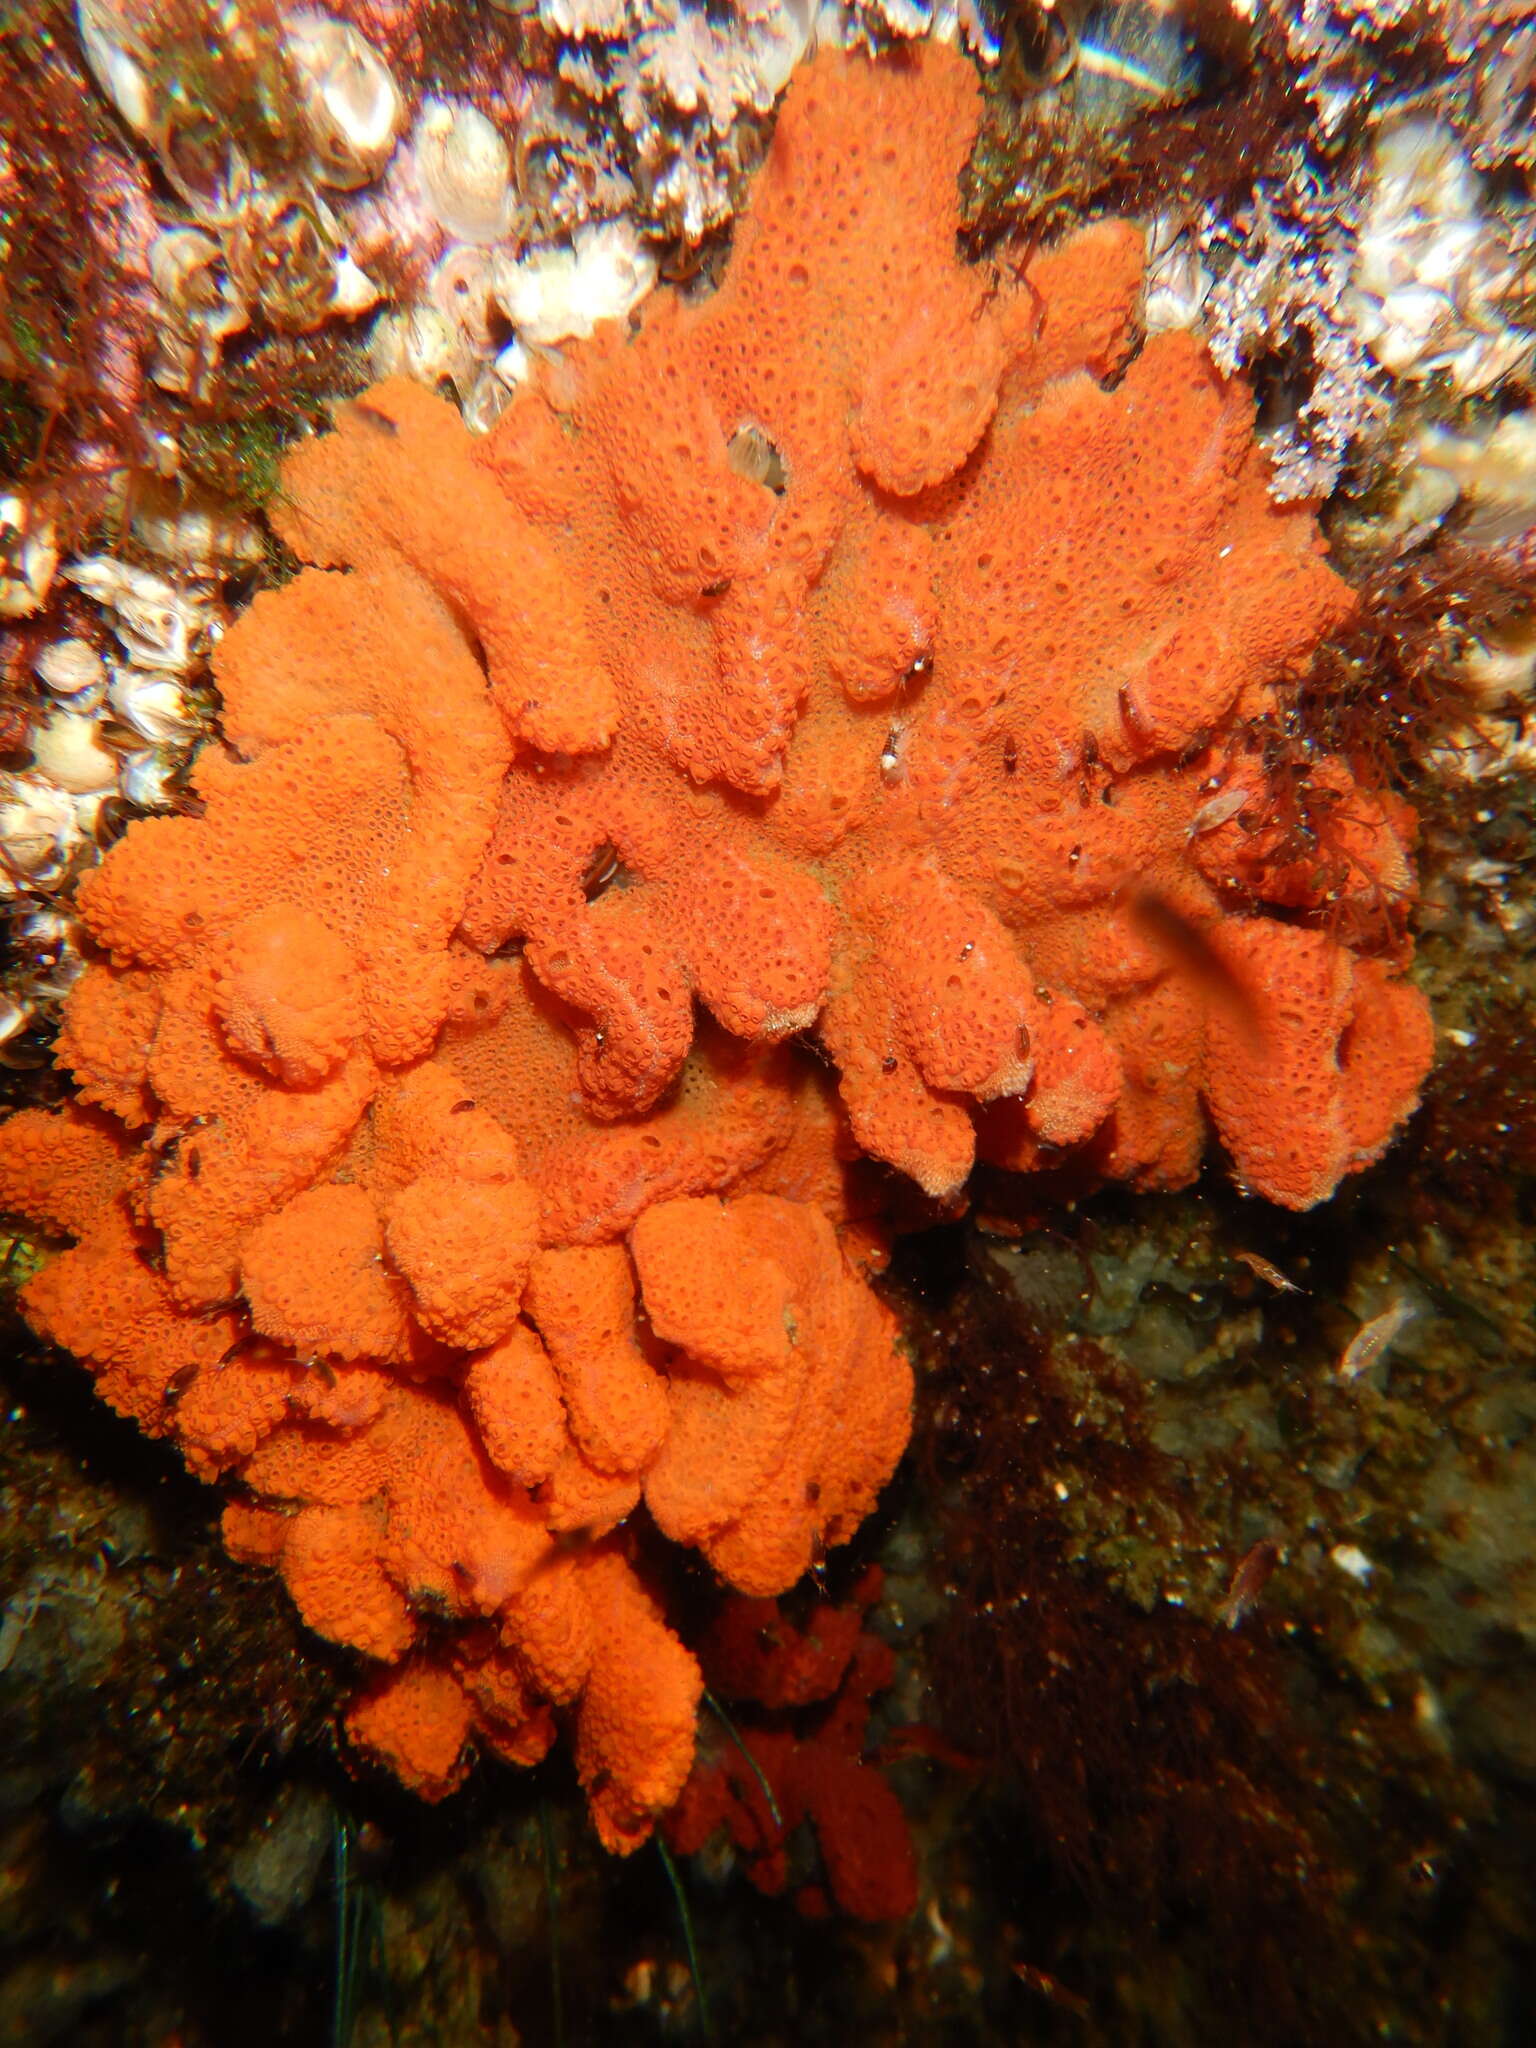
(1492, 44)
(877, 24)
(656, 107)
(124, 705)
(1488, 466)
(1330, 44)
(1482, 56)
(509, 222)
(1279, 267)
(647, 123)
(1481, 472)
(147, 707)
(1435, 275)
(1369, 280)
(488, 296)
(46, 837)
(1487, 902)
(262, 235)
(1482, 467)
(451, 198)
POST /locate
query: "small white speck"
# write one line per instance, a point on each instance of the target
(1428, 1712)
(1350, 1558)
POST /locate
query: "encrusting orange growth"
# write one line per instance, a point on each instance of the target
(926, 600)
(786, 1413)
(881, 650)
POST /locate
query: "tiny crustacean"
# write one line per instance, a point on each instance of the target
(1373, 1339)
(1265, 1270)
(1248, 1582)
(1225, 804)
(283, 252)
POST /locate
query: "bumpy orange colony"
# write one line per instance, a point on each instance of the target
(837, 718)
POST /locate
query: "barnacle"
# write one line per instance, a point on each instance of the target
(29, 554)
(463, 169)
(350, 104)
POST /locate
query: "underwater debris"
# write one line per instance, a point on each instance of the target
(1475, 1143)
(110, 736)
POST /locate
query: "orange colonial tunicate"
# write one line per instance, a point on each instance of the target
(582, 1300)
(634, 1723)
(778, 1444)
(883, 653)
(930, 601)
(330, 1563)
(288, 996)
(417, 1720)
(465, 1246)
(514, 1397)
